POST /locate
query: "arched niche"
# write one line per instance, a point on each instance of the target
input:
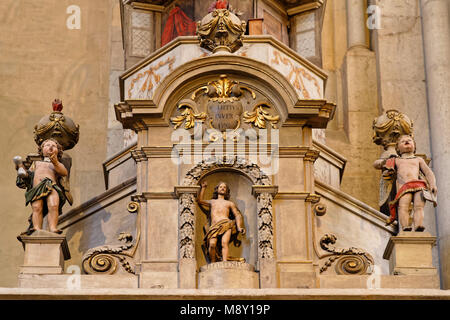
(256, 206)
(241, 194)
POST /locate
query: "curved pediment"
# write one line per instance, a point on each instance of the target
(280, 78)
(141, 81)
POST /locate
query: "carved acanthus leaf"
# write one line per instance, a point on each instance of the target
(258, 117)
(188, 117)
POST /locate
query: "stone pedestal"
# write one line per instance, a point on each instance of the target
(45, 253)
(409, 253)
(228, 275)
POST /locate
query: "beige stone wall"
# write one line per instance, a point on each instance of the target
(41, 60)
(398, 46)
(365, 82)
(352, 85)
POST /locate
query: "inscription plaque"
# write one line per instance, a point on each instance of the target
(224, 115)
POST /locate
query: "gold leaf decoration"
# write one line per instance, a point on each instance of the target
(223, 88)
(258, 117)
(187, 117)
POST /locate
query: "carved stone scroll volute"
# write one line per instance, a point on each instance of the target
(105, 259)
(350, 261)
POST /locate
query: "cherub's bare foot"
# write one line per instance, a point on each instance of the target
(420, 228)
(407, 228)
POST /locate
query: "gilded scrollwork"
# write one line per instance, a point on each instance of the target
(349, 261)
(223, 90)
(259, 117)
(188, 116)
(103, 259)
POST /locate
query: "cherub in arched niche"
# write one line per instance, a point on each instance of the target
(226, 222)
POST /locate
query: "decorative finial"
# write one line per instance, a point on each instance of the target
(57, 105)
(221, 30)
(57, 126)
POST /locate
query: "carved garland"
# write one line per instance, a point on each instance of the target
(252, 170)
(187, 226)
(264, 204)
(265, 226)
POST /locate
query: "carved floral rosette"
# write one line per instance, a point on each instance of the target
(264, 204)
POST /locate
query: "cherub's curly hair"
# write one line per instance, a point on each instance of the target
(60, 149)
(216, 191)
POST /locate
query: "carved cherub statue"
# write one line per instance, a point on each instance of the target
(222, 228)
(415, 184)
(44, 191)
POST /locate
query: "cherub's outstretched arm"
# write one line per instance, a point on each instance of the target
(378, 164)
(205, 205)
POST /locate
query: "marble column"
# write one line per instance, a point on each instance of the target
(356, 24)
(436, 40)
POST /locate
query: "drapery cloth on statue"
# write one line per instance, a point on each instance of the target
(178, 24)
(408, 187)
(42, 190)
(217, 230)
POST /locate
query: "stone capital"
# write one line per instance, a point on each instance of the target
(258, 189)
(179, 190)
